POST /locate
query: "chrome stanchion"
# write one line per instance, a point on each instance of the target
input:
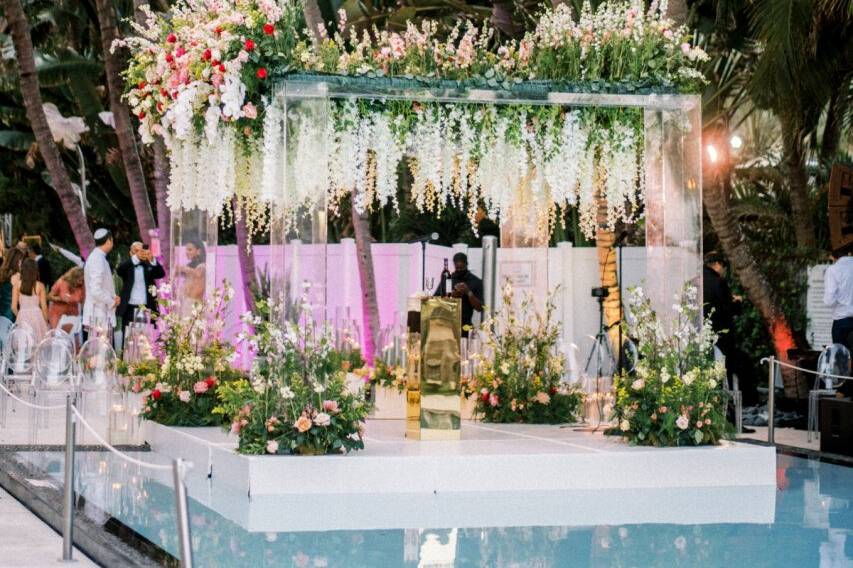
(68, 496)
(771, 400)
(179, 468)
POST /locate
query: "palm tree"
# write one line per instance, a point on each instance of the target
(113, 65)
(31, 93)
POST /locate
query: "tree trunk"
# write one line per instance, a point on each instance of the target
(113, 66)
(161, 188)
(733, 242)
(605, 240)
(502, 17)
(678, 12)
(369, 303)
(313, 17)
(245, 254)
(30, 92)
(798, 183)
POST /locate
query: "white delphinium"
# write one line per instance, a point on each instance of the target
(426, 149)
(272, 182)
(388, 152)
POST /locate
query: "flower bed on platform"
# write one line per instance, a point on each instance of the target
(521, 381)
(676, 396)
(190, 362)
(297, 399)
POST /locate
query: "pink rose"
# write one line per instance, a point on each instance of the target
(200, 387)
(235, 427)
(330, 406)
(493, 399)
(272, 447)
(250, 111)
(685, 48)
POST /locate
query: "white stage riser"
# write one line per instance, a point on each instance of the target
(386, 511)
(501, 460)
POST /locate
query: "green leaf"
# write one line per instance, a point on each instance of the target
(17, 140)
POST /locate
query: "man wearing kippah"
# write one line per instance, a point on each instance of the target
(101, 300)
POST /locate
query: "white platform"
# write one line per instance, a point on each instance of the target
(489, 458)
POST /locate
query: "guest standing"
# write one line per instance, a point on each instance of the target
(720, 302)
(66, 296)
(29, 300)
(45, 271)
(838, 295)
(194, 272)
(467, 287)
(138, 273)
(101, 300)
(8, 276)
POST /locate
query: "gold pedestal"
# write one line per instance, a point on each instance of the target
(433, 396)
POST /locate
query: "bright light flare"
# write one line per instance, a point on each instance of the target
(736, 142)
(713, 155)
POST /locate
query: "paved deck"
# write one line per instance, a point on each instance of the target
(26, 541)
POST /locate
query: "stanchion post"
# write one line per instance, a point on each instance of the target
(771, 400)
(68, 496)
(179, 467)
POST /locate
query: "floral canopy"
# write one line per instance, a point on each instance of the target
(551, 121)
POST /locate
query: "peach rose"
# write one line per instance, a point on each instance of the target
(303, 424)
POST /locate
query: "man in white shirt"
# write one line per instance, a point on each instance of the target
(101, 300)
(138, 273)
(838, 295)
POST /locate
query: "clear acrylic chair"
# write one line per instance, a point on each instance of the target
(97, 365)
(61, 334)
(97, 374)
(834, 360)
(5, 327)
(54, 373)
(733, 389)
(17, 364)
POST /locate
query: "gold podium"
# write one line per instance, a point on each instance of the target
(433, 391)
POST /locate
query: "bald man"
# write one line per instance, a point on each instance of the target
(138, 273)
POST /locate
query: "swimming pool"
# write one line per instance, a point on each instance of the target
(812, 525)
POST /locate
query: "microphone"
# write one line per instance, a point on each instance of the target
(424, 238)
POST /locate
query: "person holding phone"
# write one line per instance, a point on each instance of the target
(138, 273)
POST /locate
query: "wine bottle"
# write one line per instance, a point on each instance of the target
(446, 280)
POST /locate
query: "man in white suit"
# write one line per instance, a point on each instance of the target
(101, 300)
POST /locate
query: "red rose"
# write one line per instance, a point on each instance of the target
(218, 30)
(221, 68)
(171, 38)
(180, 52)
(169, 58)
(484, 397)
(249, 45)
(141, 114)
(214, 63)
(262, 73)
(206, 55)
(269, 29)
(155, 394)
(163, 92)
(141, 85)
(210, 381)
(553, 391)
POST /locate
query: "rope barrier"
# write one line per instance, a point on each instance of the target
(818, 373)
(114, 450)
(31, 405)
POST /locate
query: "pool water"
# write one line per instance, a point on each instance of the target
(813, 526)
